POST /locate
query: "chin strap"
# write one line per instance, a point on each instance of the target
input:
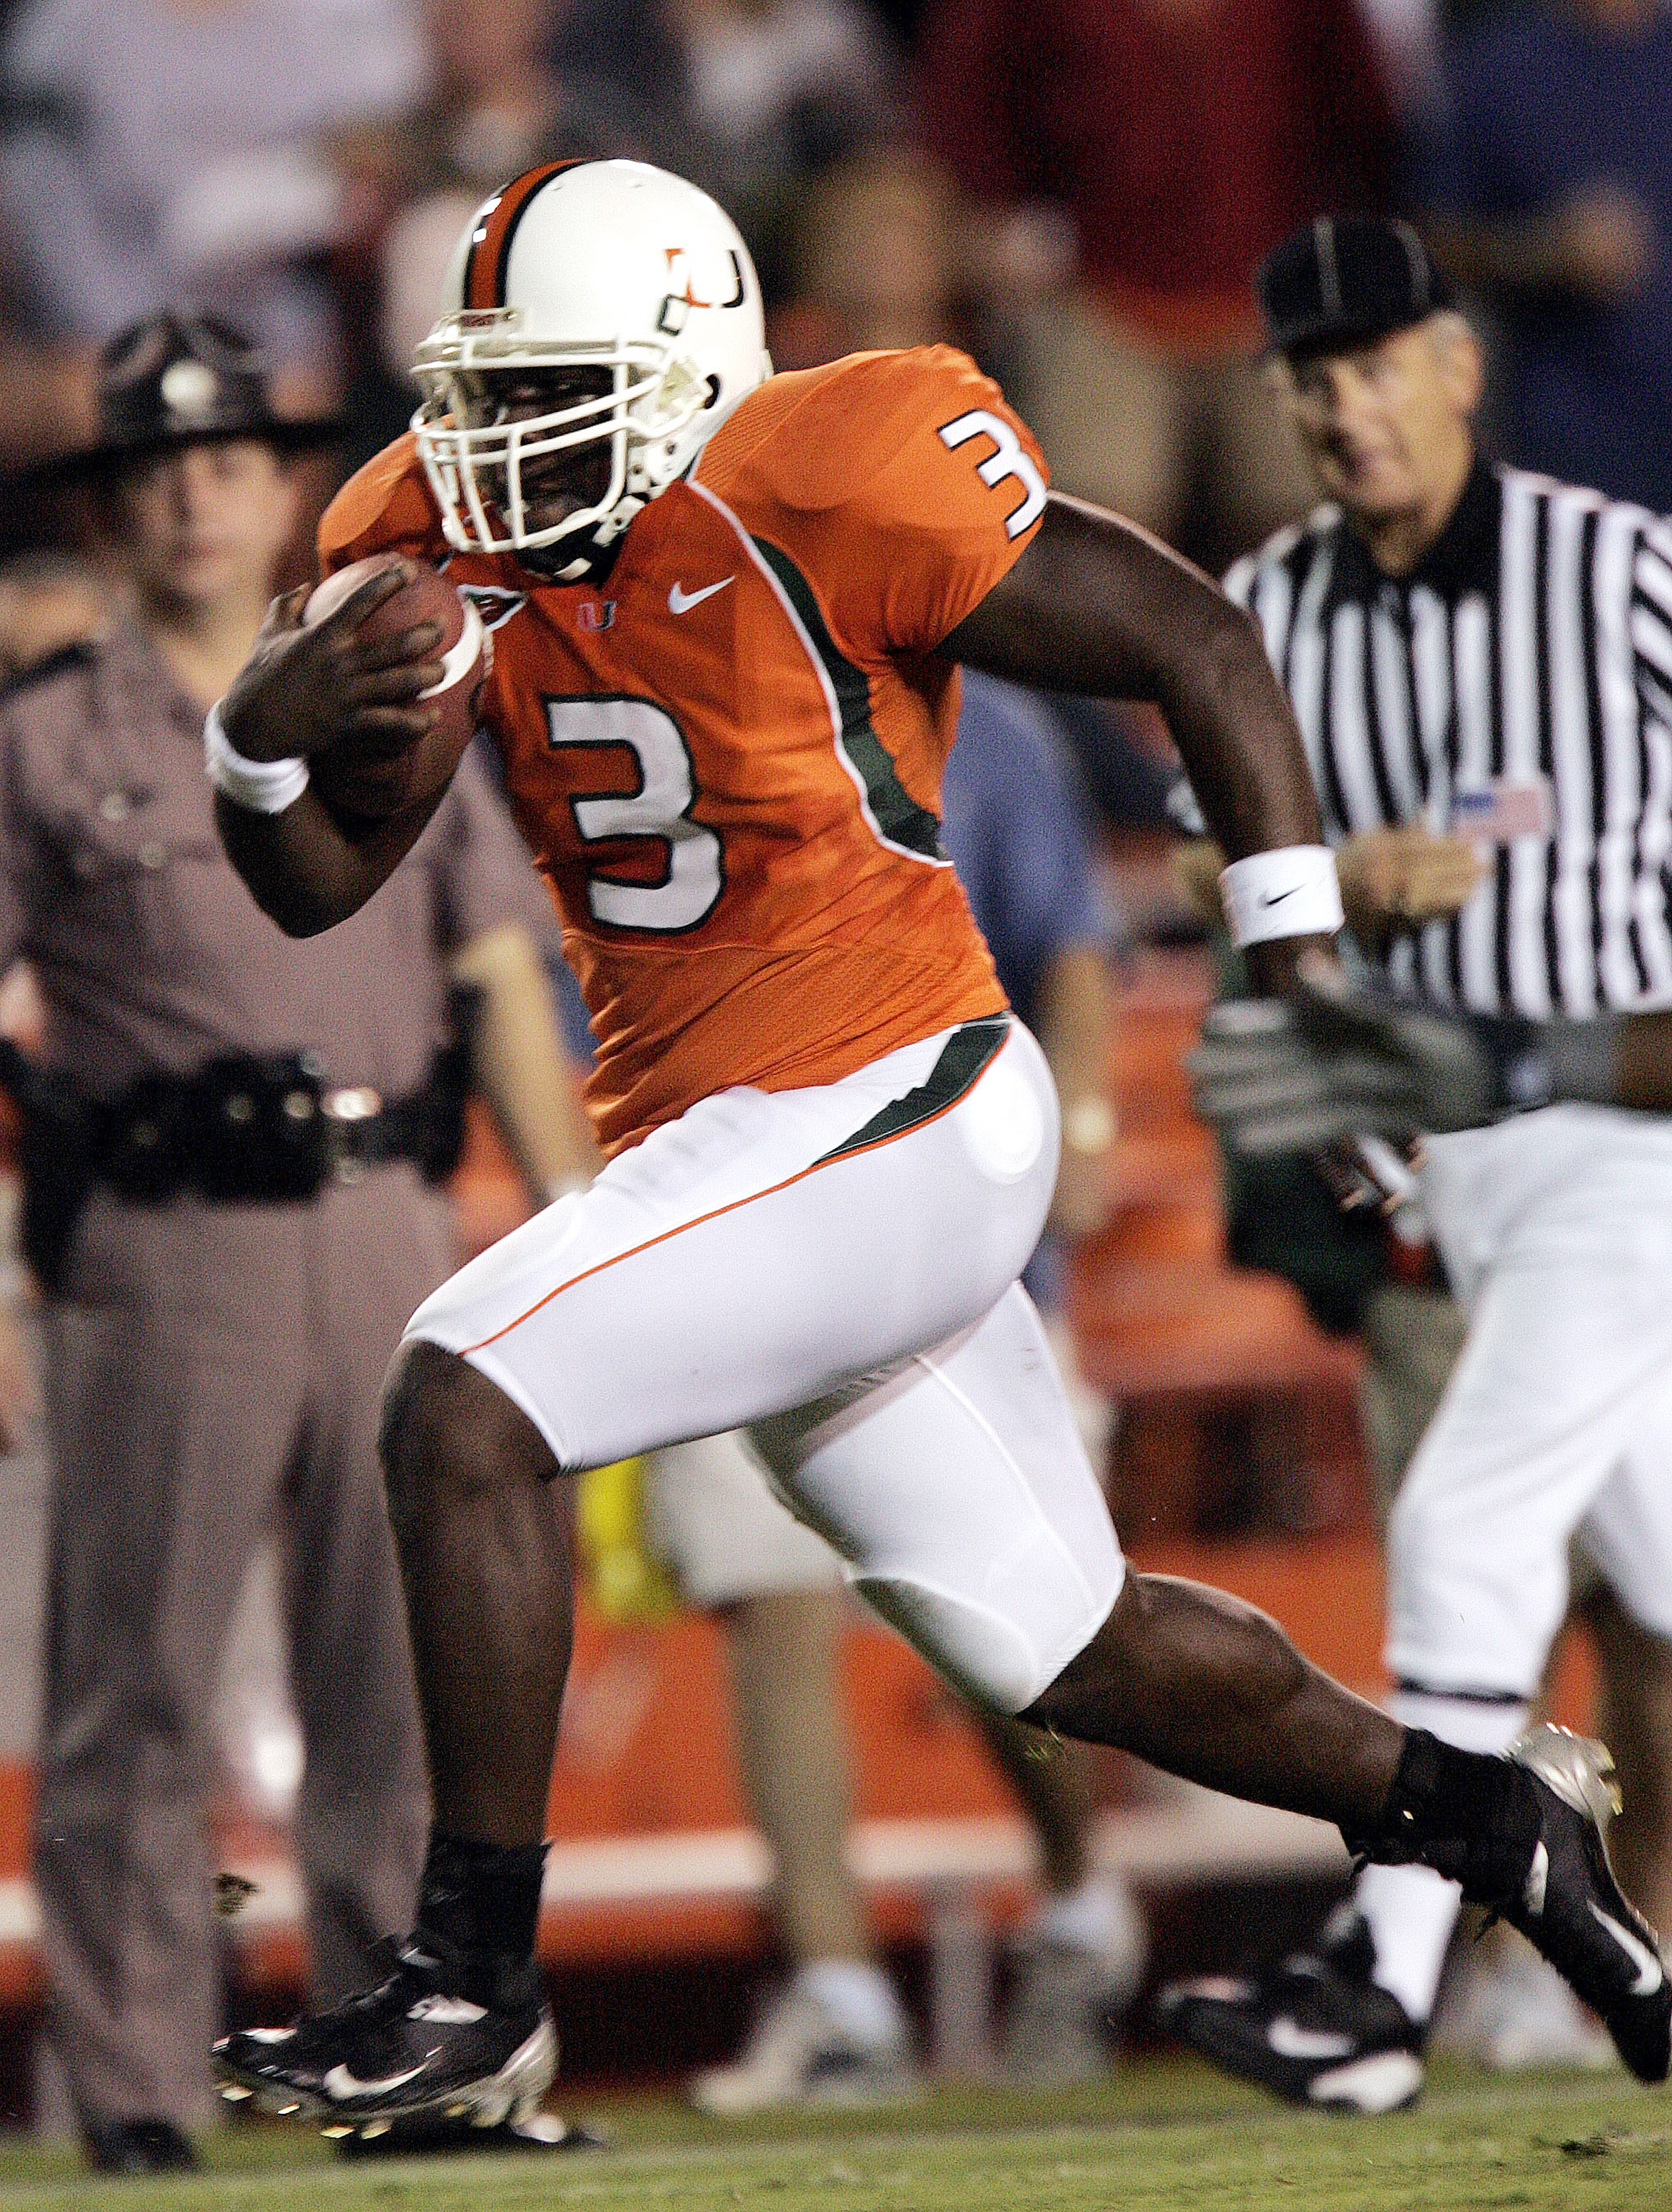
(593, 563)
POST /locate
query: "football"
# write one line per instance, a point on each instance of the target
(365, 777)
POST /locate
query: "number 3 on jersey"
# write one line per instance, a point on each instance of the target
(692, 876)
(1007, 459)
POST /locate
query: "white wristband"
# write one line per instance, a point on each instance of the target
(1293, 892)
(263, 786)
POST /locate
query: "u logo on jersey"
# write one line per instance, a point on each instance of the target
(596, 614)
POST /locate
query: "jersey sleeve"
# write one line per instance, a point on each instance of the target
(903, 486)
(384, 507)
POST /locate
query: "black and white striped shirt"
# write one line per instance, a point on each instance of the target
(1527, 659)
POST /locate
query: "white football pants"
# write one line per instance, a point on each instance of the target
(835, 1270)
(1557, 1229)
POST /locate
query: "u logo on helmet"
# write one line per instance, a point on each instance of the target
(672, 319)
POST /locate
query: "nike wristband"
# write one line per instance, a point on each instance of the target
(262, 787)
(1291, 892)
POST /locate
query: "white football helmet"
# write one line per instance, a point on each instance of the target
(605, 265)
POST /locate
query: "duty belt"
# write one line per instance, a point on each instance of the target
(247, 1128)
(252, 1128)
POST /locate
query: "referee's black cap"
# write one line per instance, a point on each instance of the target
(1343, 281)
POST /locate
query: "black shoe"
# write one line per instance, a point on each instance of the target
(421, 2138)
(139, 2147)
(1319, 2032)
(1569, 1906)
(444, 2035)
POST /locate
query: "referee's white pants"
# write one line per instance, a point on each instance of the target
(834, 1270)
(1558, 1419)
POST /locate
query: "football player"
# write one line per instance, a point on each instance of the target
(729, 610)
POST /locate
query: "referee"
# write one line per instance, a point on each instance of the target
(1480, 663)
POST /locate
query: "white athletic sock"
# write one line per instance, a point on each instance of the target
(1410, 1911)
(857, 1995)
(1083, 1919)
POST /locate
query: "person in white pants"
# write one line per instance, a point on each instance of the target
(1480, 663)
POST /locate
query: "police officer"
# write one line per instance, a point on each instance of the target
(228, 1142)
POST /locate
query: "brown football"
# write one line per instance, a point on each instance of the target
(362, 776)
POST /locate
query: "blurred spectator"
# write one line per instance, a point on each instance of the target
(499, 103)
(767, 93)
(225, 1142)
(1183, 138)
(163, 150)
(1551, 191)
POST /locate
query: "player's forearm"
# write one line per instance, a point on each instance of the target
(304, 869)
(520, 1063)
(1236, 735)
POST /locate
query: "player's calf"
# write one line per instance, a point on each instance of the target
(1212, 1690)
(484, 1560)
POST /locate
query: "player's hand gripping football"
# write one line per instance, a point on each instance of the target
(304, 690)
(1330, 1061)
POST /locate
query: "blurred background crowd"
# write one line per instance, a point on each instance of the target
(1078, 191)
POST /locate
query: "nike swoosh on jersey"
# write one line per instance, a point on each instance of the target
(681, 602)
(1650, 1972)
(342, 2085)
(1289, 2040)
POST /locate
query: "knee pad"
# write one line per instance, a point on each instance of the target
(996, 1657)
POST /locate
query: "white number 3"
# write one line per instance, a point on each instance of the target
(1007, 459)
(691, 877)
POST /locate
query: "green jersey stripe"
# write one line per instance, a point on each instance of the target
(964, 1056)
(895, 814)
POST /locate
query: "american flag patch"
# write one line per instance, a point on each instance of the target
(1496, 813)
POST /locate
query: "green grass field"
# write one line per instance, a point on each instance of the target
(1162, 2135)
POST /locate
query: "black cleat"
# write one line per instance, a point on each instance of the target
(441, 2035)
(1569, 1906)
(436, 2135)
(1318, 2033)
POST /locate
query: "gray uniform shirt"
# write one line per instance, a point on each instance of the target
(150, 953)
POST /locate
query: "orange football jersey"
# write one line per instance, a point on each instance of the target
(727, 757)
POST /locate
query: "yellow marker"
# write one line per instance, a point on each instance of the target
(622, 1578)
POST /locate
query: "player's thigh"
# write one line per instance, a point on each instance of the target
(764, 1248)
(1538, 1414)
(711, 1518)
(957, 1490)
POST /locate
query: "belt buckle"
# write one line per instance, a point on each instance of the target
(345, 1110)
